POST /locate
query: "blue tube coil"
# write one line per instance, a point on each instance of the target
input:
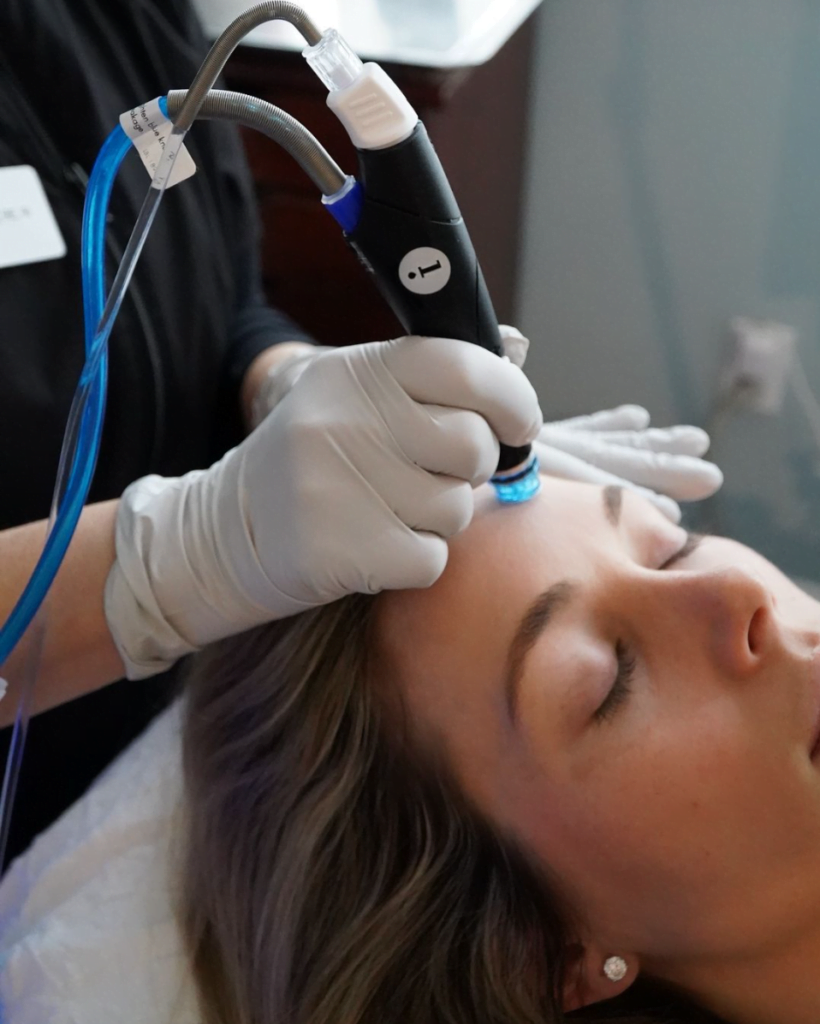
(82, 441)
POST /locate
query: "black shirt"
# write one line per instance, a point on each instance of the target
(191, 324)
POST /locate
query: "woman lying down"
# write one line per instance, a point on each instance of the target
(580, 773)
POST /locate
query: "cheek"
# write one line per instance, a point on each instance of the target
(686, 809)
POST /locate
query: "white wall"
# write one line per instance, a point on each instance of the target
(674, 182)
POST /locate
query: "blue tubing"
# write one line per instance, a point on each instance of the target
(82, 440)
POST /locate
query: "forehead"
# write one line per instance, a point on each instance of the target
(505, 550)
(450, 641)
(446, 647)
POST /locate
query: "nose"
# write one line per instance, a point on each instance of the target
(727, 610)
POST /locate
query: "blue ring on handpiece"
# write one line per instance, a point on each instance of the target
(517, 489)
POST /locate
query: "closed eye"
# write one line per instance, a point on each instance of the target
(622, 686)
(692, 542)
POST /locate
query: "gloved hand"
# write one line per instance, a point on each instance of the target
(613, 446)
(350, 484)
(617, 446)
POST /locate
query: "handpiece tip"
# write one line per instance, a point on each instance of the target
(518, 487)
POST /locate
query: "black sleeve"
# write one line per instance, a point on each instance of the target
(255, 325)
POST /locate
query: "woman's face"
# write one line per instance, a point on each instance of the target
(641, 716)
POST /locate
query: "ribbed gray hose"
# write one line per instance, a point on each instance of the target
(306, 150)
(269, 10)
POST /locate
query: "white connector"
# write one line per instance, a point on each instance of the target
(759, 364)
(374, 110)
(333, 62)
(367, 101)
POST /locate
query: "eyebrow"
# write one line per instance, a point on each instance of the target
(613, 497)
(542, 611)
(530, 628)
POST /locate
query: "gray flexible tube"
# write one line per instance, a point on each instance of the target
(268, 10)
(306, 150)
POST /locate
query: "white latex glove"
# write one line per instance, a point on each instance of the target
(617, 446)
(350, 484)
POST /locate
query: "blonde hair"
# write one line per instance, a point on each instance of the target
(332, 874)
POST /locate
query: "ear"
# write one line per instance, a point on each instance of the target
(585, 981)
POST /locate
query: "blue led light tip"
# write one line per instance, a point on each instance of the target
(520, 487)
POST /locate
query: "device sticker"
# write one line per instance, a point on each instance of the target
(149, 130)
(424, 271)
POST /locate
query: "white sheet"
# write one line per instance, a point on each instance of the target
(87, 932)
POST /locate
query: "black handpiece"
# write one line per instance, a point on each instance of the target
(412, 237)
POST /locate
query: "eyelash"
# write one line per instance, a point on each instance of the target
(622, 687)
(627, 662)
(693, 541)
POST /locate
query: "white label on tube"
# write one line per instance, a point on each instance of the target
(149, 130)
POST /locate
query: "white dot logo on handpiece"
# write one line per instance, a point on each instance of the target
(424, 271)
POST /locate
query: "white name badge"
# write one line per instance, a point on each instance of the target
(28, 228)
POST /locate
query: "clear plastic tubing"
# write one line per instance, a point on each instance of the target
(82, 437)
(81, 443)
(79, 453)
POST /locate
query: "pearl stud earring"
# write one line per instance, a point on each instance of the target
(615, 968)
